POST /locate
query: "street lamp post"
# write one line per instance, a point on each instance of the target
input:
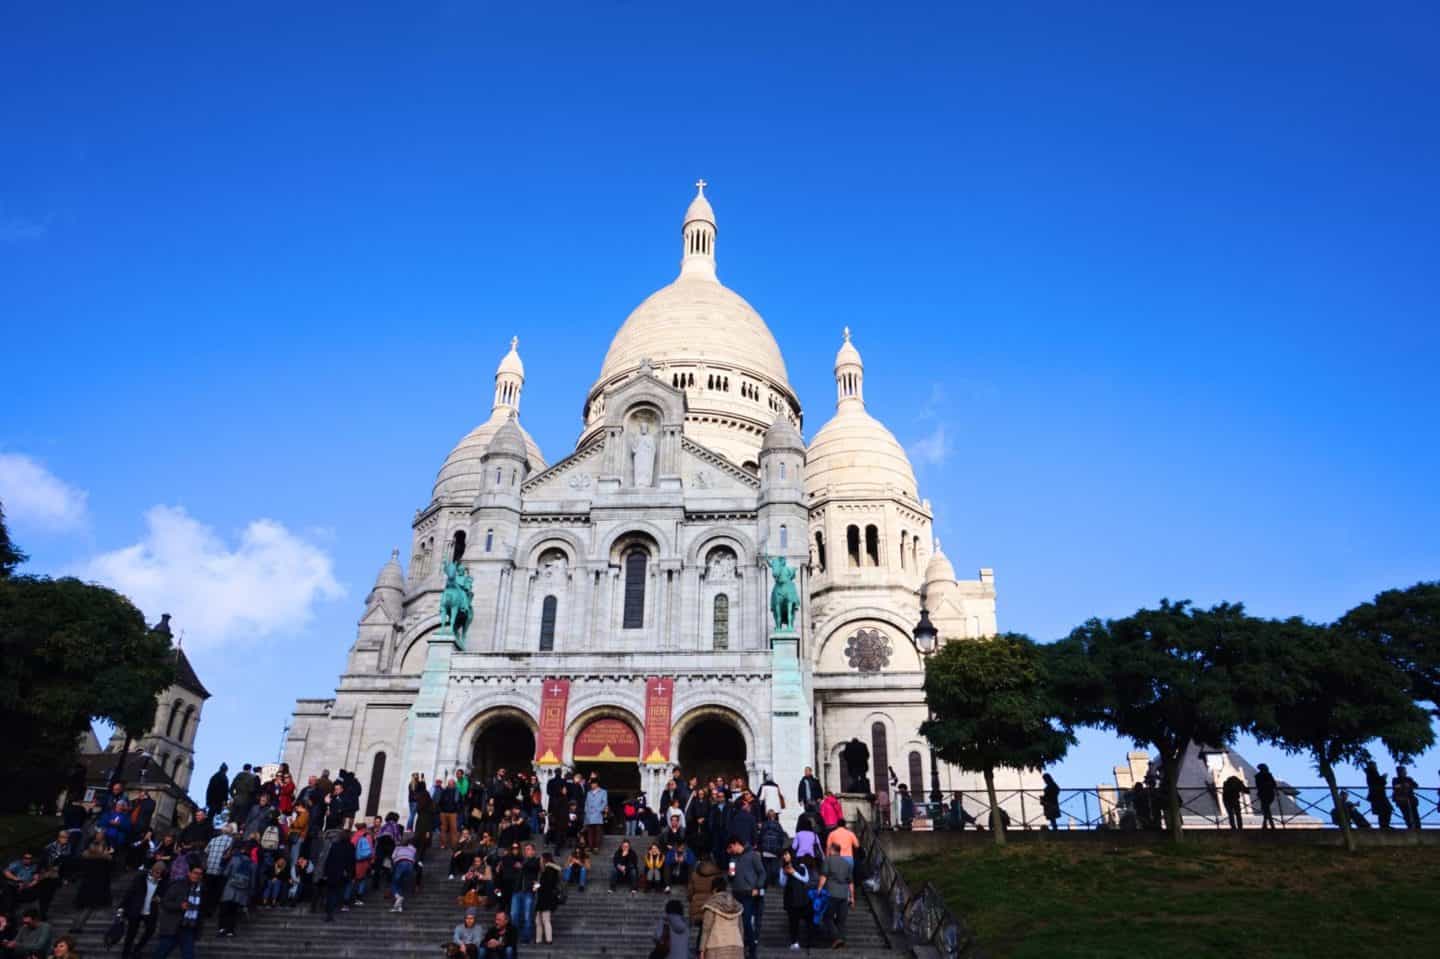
(927, 640)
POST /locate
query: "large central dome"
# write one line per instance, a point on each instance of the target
(702, 337)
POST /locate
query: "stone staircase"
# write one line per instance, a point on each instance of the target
(593, 924)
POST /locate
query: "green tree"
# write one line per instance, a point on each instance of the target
(1163, 678)
(993, 706)
(1328, 692)
(70, 652)
(1405, 623)
(10, 555)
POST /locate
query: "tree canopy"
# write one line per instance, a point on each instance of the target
(10, 555)
(993, 706)
(1161, 677)
(1405, 624)
(70, 652)
(1328, 692)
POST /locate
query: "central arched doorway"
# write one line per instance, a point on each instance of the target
(505, 742)
(609, 748)
(713, 747)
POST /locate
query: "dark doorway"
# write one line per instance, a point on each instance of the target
(713, 747)
(503, 744)
(375, 785)
(621, 781)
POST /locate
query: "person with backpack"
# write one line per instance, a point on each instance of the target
(547, 899)
(795, 897)
(671, 933)
(239, 883)
(364, 859)
(772, 843)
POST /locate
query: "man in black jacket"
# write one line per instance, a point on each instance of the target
(141, 909)
(339, 870)
(809, 792)
(180, 915)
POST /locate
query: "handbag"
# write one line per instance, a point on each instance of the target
(116, 932)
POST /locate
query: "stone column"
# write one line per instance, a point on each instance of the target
(421, 751)
(791, 736)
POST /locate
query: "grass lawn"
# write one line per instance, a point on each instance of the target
(1064, 899)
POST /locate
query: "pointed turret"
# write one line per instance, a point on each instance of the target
(849, 375)
(509, 379)
(389, 589)
(699, 233)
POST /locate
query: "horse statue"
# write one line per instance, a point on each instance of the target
(784, 597)
(456, 610)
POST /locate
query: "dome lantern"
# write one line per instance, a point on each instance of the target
(849, 375)
(699, 234)
(509, 379)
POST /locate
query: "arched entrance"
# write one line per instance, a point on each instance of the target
(713, 747)
(505, 742)
(609, 747)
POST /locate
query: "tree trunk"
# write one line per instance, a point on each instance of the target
(997, 825)
(1172, 792)
(1328, 774)
(118, 772)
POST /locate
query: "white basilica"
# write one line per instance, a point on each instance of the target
(621, 595)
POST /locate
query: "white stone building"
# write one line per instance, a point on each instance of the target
(641, 555)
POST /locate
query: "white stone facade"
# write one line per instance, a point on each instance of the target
(644, 554)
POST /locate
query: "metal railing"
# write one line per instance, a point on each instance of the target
(921, 914)
(1294, 807)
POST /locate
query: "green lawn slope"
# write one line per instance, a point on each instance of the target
(1081, 900)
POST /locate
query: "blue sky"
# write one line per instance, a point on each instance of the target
(1149, 293)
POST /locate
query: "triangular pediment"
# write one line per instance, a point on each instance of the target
(574, 477)
(705, 471)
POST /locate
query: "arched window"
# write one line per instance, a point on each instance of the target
(872, 546)
(375, 785)
(547, 623)
(721, 627)
(852, 544)
(497, 476)
(820, 549)
(782, 470)
(880, 753)
(174, 714)
(187, 728)
(635, 562)
(917, 776)
(784, 534)
(904, 537)
(489, 540)
(457, 552)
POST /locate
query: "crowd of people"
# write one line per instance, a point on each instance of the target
(513, 850)
(718, 844)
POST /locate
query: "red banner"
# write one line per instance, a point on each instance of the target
(551, 741)
(659, 697)
(607, 741)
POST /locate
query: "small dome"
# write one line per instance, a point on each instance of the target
(460, 475)
(939, 570)
(391, 575)
(699, 208)
(782, 435)
(847, 355)
(855, 452)
(511, 363)
(509, 438)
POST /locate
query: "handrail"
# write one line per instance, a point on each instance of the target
(1105, 807)
(923, 915)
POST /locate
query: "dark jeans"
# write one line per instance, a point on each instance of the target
(799, 921)
(631, 880)
(334, 896)
(1267, 820)
(184, 938)
(133, 926)
(839, 916)
(229, 916)
(752, 912)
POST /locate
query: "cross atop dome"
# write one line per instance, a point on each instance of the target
(699, 234)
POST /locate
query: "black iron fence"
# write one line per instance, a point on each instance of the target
(1294, 807)
(920, 914)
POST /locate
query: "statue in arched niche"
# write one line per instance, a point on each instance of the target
(642, 453)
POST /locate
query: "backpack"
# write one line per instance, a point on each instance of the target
(363, 848)
(772, 838)
(270, 838)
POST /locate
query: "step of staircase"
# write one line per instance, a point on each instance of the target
(593, 924)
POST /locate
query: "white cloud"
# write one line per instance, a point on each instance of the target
(36, 498)
(931, 449)
(270, 582)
